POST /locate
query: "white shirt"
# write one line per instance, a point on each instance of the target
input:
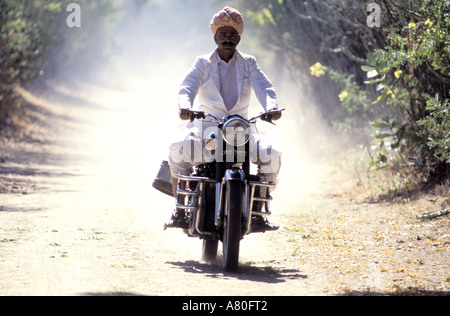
(228, 82)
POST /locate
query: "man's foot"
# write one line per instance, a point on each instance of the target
(178, 220)
(261, 224)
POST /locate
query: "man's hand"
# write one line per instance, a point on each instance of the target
(272, 115)
(186, 114)
(276, 115)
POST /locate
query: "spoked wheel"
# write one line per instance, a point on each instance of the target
(210, 247)
(232, 226)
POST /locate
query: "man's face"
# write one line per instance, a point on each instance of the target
(227, 38)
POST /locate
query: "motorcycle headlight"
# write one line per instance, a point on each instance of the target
(236, 131)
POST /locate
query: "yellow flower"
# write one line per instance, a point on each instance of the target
(412, 25)
(398, 73)
(389, 92)
(429, 23)
(317, 70)
(343, 95)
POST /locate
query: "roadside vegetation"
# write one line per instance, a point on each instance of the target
(386, 87)
(37, 43)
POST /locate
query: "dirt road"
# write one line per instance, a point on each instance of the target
(78, 216)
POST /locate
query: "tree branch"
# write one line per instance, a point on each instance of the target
(302, 16)
(407, 11)
(439, 76)
(345, 50)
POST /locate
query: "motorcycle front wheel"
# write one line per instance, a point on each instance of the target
(232, 225)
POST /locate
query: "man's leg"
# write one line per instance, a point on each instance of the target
(268, 160)
(175, 184)
(179, 199)
(179, 161)
(178, 218)
(183, 156)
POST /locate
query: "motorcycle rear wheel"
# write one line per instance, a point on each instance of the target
(232, 226)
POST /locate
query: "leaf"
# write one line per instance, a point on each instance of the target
(378, 124)
(382, 135)
(367, 68)
(372, 74)
(371, 59)
(377, 80)
(382, 97)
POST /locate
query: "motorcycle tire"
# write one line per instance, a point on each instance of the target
(232, 225)
(210, 247)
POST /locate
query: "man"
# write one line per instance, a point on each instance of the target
(223, 80)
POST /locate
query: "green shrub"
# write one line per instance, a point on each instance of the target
(27, 29)
(396, 77)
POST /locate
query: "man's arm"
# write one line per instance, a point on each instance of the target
(262, 86)
(190, 85)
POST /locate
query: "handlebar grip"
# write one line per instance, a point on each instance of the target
(188, 114)
(198, 115)
(268, 116)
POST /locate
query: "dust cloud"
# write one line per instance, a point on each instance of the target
(156, 44)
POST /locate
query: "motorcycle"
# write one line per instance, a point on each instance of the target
(221, 199)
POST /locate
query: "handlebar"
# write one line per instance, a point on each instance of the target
(265, 116)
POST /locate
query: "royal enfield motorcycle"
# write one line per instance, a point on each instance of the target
(222, 200)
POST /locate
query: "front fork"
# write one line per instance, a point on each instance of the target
(248, 200)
